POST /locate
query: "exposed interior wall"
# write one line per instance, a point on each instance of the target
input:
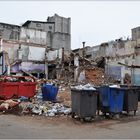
(11, 49)
(118, 71)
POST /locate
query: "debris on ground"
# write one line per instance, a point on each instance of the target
(8, 104)
(35, 106)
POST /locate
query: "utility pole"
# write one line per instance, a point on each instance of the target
(46, 65)
(83, 49)
(83, 53)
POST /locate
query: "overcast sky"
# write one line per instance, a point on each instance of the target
(93, 22)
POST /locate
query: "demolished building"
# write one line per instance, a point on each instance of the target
(29, 44)
(121, 58)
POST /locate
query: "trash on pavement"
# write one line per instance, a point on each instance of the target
(7, 104)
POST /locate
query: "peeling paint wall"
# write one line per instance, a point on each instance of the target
(33, 36)
(62, 24)
(135, 33)
(61, 40)
(11, 49)
(53, 55)
(116, 51)
(47, 27)
(9, 32)
(117, 69)
(32, 53)
(32, 67)
(136, 75)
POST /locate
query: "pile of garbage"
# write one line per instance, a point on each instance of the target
(84, 87)
(16, 79)
(35, 106)
(8, 104)
(50, 109)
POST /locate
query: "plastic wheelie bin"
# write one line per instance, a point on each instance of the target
(111, 99)
(130, 99)
(84, 103)
(49, 92)
(138, 91)
(116, 100)
(104, 98)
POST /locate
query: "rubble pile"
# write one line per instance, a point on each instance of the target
(65, 97)
(45, 108)
(35, 106)
(95, 76)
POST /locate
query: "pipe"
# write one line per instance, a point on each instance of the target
(83, 49)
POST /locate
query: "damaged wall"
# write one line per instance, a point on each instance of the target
(44, 26)
(53, 55)
(136, 71)
(135, 33)
(116, 70)
(33, 36)
(32, 53)
(123, 53)
(62, 24)
(9, 31)
(30, 67)
(115, 51)
(11, 49)
(61, 40)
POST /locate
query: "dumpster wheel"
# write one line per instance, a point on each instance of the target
(135, 112)
(87, 119)
(114, 116)
(73, 115)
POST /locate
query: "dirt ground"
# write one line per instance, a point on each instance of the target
(17, 127)
(65, 97)
(33, 126)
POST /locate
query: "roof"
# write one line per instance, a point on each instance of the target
(10, 24)
(135, 28)
(29, 21)
(75, 50)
